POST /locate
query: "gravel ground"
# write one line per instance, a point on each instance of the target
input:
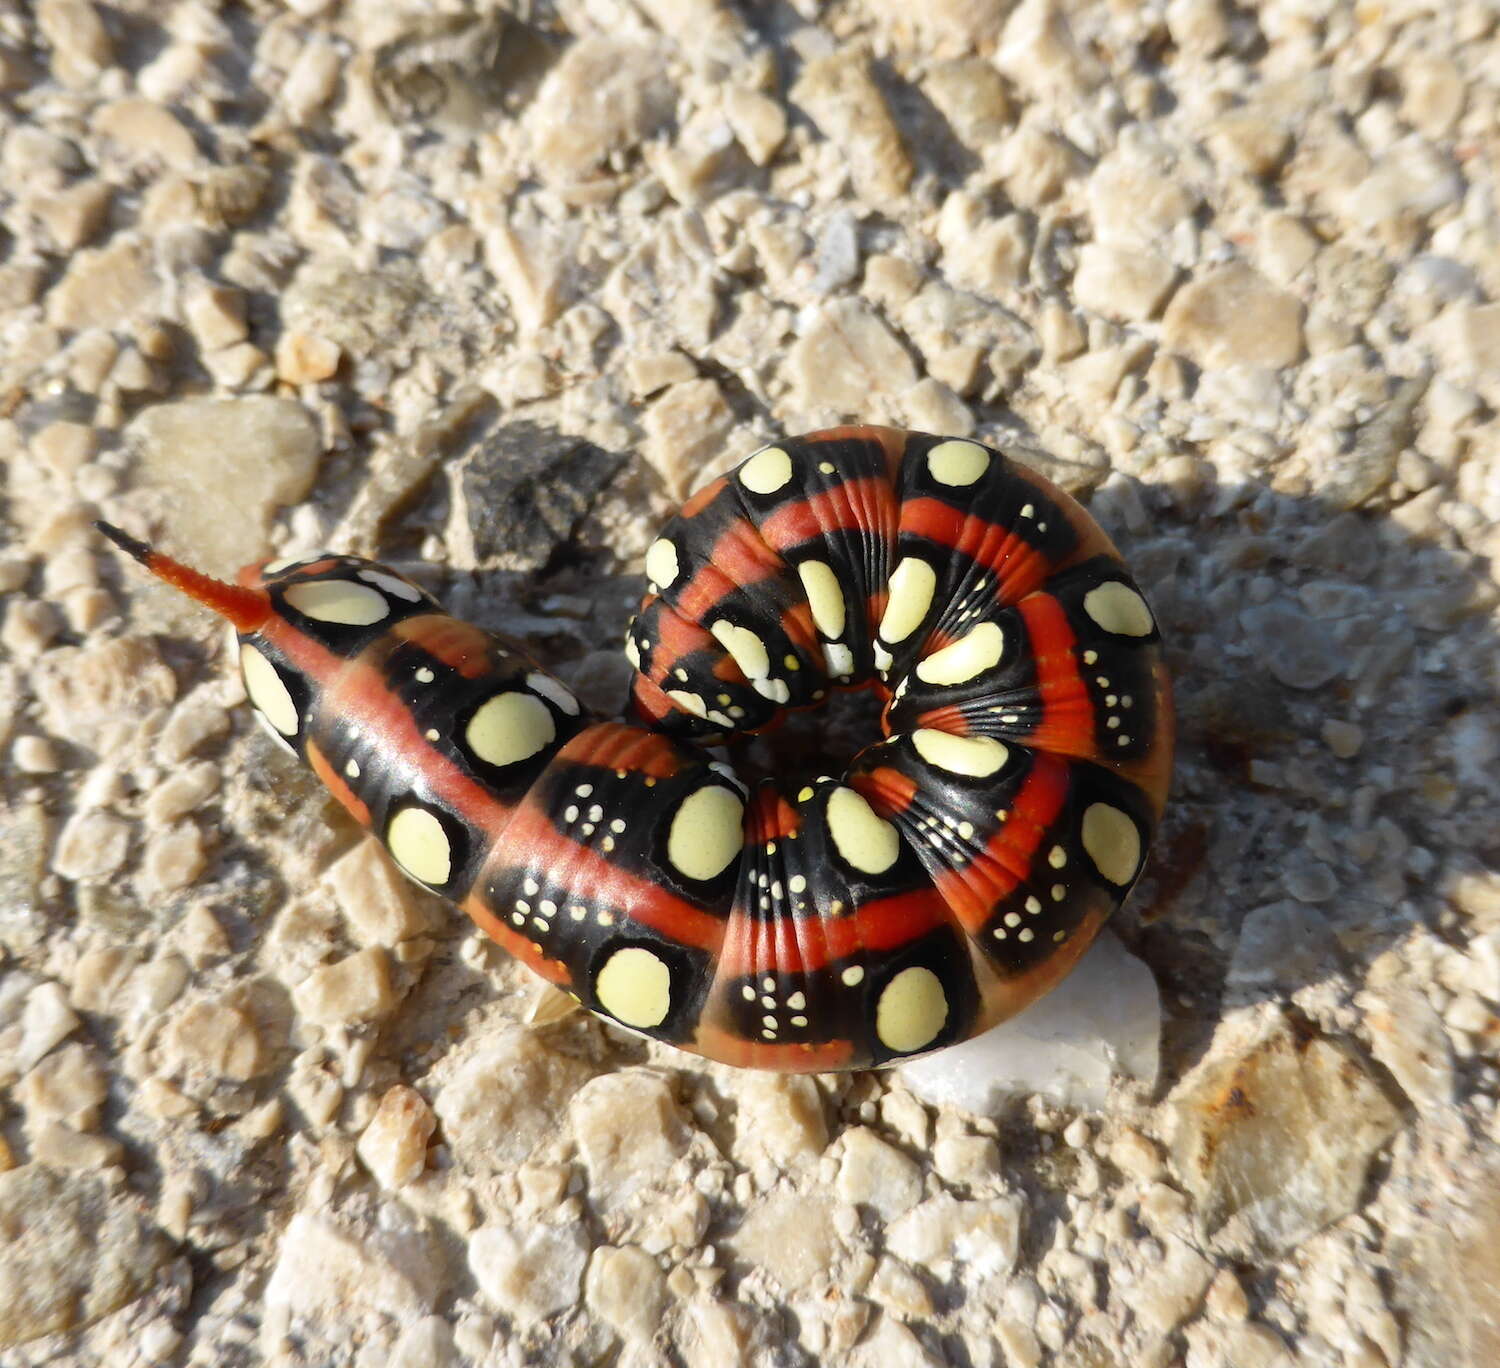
(484, 294)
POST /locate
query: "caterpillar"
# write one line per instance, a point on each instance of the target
(955, 871)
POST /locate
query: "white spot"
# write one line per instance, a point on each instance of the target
(853, 976)
(707, 832)
(264, 724)
(977, 757)
(1117, 608)
(510, 727)
(777, 690)
(912, 1010)
(420, 845)
(839, 659)
(662, 566)
(341, 601)
(824, 596)
(965, 659)
(797, 1001)
(866, 840)
(798, 884)
(911, 587)
(748, 650)
(632, 652)
(957, 463)
(399, 587)
(285, 563)
(766, 471)
(883, 658)
(268, 692)
(554, 690)
(1113, 843)
(424, 675)
(635, 986)
(688, 702)
(351, 768)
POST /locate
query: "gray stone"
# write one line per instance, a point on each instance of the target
(520, 494)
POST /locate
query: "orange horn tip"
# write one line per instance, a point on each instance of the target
(246, 609)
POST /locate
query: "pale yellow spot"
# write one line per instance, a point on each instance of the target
(974, 756)
(1117, 608)
(1113, 843)
(853, 976)
(420, 845)
(957, 463)
(766, 471)
(341, 601)
(867, 841)
(912, 1010)
(748, 650)
(267, 691)
(824, 596)
(510, 727)
(635, 987)
(707, 832)
(661, 563)
(912, 585)
(965, 659)
(688, 702)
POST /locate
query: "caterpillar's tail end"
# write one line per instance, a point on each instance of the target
(246, 609)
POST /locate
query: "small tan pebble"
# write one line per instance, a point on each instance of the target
(69, 1086)
(62, 1147)
(31, 625)
(241, 365)
(1136, 1156)
(394, 1145)
(1344, 739)
(1226, 1297)
(46, 1020)
(305, 358)
(758, 121)
(215, 314)
(379, 902)
(201, 936)
(839, 93)
(91, 845)
(14, 572)
(65, 447)
(86, 610)
(355, 989)
(101, 978)
(626, 1288)
(164, 1100)
(193, 724)
(262, 1122)
(173, 858)
(875, 1174)
(531, 1273)
(219, 1037)
(653, 371)
(35, 755)
(182, 792)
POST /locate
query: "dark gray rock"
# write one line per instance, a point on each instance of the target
(521, 493)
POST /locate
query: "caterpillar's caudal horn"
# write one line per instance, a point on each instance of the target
(246, 609)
